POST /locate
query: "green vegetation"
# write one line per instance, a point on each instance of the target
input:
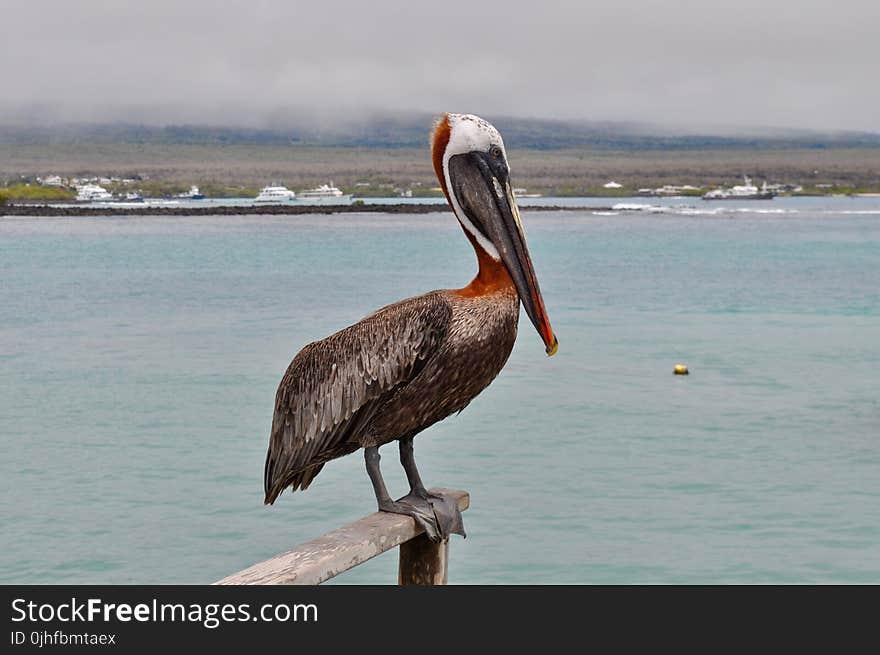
(837, 190)
(602, 192)
(434, 192)
(3, 198)
(19, 192)
(170, 188)
(222, 190)
(390, 191)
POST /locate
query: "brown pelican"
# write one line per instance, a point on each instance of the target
(415, 362)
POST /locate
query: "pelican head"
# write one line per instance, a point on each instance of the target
(471, 164)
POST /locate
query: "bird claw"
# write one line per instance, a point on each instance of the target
(438, 516)
(448, 515)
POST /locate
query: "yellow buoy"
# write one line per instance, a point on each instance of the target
(680, 369)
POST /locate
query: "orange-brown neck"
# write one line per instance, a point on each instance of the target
(439, 142)
(492, 276)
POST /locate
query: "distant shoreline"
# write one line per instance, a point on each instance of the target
(251, 210)
(240, 171)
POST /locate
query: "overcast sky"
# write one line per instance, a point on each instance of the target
(786, 63)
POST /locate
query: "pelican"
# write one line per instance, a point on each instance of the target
(413, 363)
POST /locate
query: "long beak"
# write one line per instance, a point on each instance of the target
(514, 253)
(484, 193)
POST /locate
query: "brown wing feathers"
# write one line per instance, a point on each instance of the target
(334, 387)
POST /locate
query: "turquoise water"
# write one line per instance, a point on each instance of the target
(139, 359)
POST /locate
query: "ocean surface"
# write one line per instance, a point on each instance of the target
(139, 359)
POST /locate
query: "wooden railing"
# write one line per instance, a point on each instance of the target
(422, 561)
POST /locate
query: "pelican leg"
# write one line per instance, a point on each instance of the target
(445, 509)
(408, 460)
(420, 510)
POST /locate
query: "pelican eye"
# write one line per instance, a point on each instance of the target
(495, 152)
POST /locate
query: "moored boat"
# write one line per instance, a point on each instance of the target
(275, 193)
(326, 193)
(747, 191)
(192, 194)
(93, 193)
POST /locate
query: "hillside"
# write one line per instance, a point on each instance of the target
(411, 130)
(377, 156)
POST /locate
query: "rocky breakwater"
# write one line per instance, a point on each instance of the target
(243, 210)
(214, 210)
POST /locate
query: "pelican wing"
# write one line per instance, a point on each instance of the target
(334, 387)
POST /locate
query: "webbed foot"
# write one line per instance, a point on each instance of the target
(448, 515)
(439, 516)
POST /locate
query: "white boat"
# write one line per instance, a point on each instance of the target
(93, 193)
(325, 193)
(747, 191)
(192, 194)
(275, 193)
(520, 192)
(671, 190)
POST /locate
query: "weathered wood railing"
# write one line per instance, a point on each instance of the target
(421, 560)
